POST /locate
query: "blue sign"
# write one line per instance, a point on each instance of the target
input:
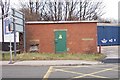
(7, 26)
(108, 35)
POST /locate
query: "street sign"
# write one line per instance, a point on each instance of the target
(17, 20)
(19, 28)
(7, 26)
(18, 24)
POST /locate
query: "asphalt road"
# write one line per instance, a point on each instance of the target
(24, 71)
(67, 72)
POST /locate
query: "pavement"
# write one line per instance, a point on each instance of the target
(112, 54)
(52, 63)
(111, 51)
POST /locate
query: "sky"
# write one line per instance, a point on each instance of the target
(111, 8)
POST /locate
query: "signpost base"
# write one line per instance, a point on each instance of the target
(10, 62)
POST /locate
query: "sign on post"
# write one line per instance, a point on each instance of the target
(18, 20)
(14, 23)
(7, 26)
(8, 30)
(18, 24)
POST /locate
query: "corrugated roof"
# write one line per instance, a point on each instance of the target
(45, 22)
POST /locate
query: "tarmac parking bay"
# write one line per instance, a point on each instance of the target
(80, 72)
(83, 71)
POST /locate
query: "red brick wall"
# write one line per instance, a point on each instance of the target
(81, 37)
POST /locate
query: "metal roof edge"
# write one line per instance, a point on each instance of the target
(43, 22)
(107, 24)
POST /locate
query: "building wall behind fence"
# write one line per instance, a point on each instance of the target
(81, 37)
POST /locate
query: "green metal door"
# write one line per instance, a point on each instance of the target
(60, 41)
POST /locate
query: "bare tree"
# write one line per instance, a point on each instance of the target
(72, 5)
(51, 11)
(31, 9)
(55, 10)
(59, 10)
(30, 16)
(90, 9)
(5, 7)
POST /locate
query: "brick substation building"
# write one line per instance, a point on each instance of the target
(61, 36)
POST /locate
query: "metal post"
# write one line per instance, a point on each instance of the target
(99, 48)
(2, 31)
(14, 36)
(2, 25)
(24, 34)
(10, 50)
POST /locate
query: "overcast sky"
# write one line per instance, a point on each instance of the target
(111, 8)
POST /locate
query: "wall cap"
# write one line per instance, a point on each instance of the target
(49, 22)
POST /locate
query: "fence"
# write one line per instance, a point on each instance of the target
(108, 35)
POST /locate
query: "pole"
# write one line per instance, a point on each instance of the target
(99, 48)
(24, 34)
(14, 43)
(2, 31)
(14, 35)
(10, 50)
(2, 24)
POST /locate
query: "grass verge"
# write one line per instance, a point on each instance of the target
(51, 56)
